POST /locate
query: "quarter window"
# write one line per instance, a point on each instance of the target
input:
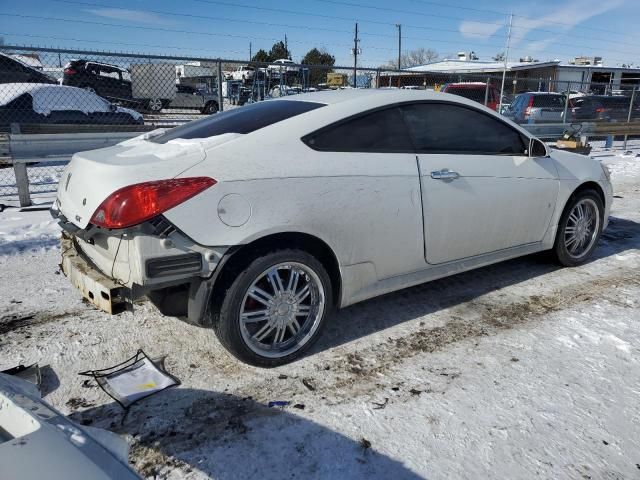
(379, 131)
(239, 120)
(447, 128)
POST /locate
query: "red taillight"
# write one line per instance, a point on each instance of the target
(137, 203)
(70, 71)
(527, 111)
(599, 110)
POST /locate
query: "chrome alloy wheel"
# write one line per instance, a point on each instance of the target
(282, 309)
(155, 104)
(581, 231)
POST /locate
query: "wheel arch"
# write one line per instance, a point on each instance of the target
(241, 256)
(588, 185)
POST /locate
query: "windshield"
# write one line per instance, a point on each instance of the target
(549, 101)
(472, 93)
(245, 119)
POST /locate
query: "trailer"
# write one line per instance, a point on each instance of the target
(153, 84)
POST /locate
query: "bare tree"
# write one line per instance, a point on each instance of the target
(414, 58)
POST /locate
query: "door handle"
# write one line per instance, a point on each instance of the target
(444, 174)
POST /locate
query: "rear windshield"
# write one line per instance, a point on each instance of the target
(472, 93)
(549, 101)
(245, 119)
(615, 102)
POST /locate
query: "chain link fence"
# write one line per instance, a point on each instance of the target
(55, 91)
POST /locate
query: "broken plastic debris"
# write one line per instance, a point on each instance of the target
(134, 379)
(31, 373)
(278, 403)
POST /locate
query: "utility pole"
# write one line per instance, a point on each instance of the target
(250, 51)
(355, 58)
(399, 46)
(506, 57)
(286, 49)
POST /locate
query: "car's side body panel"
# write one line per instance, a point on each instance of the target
(371, 209)
(497, 202)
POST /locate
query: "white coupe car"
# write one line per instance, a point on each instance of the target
(261, 220)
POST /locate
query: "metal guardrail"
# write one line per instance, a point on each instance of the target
(27, 148)
(55, 149)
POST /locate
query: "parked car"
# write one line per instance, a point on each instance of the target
(282, 90)
(192, 98)
(537, 107)
(604, 108)
(13, 70)
(109, 81)
(476, 91)
(243, 72)
(37, 441)
(260, 220)
(45, 103)
(283, 65)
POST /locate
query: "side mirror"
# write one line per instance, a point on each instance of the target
(537, 148)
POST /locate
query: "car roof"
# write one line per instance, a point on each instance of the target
(374, 97)
(543, 93)
(467, 84)
(11, 91)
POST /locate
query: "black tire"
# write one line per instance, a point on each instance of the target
(227, 323)
(561, 252)
(155, 105)
(210, 108)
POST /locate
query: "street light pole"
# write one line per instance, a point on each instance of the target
(506, 57)
(355, 58)
(399, 46)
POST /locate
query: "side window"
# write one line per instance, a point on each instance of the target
(380, 131)
(448, 128)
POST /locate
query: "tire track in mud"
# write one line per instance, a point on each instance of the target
(17, 321)
(212, 421)
(490, 318)
(201, 420)
(359, 373)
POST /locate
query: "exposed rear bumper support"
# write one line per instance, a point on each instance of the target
(95, 287)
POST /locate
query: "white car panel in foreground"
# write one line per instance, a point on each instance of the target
(384, 189)
(38, 442)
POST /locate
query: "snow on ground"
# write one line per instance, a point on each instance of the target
(517, 370)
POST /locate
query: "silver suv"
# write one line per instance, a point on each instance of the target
(537, 107)
(192, 98)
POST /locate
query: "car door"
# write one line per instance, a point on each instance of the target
(481, 192)
(189, 97)
(367, 163)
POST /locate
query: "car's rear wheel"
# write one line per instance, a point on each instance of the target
(579, 228)
(154, 104)
(209, 108)
(275, 308)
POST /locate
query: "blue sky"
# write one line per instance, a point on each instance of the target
(545, 29)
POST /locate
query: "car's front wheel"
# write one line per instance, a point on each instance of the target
(275, 308)
(579, 228)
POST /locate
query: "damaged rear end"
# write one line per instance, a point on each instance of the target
(116, 245)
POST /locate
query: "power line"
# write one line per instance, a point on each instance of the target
(207, 17)
(170, 30)
(408, 12)
(498, 12)
(253, 22)
(411, 12)
(103, 42)
(358, 5)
